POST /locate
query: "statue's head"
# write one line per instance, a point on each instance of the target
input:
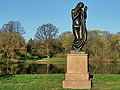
(80, 5)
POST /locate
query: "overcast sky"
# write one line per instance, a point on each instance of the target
(102, 14)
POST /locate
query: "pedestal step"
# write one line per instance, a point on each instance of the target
(77, 84)
(77, 76)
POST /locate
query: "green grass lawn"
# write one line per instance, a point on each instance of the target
(54, 82)
(56, 60)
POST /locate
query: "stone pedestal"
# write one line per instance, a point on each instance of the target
(77, 75)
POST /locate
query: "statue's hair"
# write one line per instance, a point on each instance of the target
(79, 4)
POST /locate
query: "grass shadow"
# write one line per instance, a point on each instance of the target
(91, 78)
(4, 78)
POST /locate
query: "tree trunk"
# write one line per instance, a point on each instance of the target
(48, 56)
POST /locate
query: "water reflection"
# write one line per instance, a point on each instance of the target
(104, 67)
(33, 68)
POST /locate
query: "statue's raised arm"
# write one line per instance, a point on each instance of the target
(85, 12)
(74, 14)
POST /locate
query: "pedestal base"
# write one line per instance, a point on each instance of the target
(77, 75)
(77, 84)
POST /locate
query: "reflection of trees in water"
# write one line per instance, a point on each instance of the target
(24, 68)
(104, 67)
(8, 68)
(37, 68)
(56, 68)
(32, 68)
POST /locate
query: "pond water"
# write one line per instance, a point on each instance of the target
(33, 68)
(105, 67)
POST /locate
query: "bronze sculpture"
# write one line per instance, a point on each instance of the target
(79, 26)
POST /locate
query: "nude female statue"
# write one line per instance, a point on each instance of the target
(79, 26)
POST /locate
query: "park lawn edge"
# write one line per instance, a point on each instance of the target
(54, 82)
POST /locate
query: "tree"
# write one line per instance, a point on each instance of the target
(98, 47)
(46, 36)
(46, 32)
(11, 45)
(13, 27)
(30, 48)
(115, 46)
(66, 39)
(97, 44)
(53, 46)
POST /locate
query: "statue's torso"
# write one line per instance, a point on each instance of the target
(78, 21)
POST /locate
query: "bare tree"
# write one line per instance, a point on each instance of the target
(46, 36)
(13, 27)
(46, 31)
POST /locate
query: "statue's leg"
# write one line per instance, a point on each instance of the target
(78, 32)
(75, 32)
(81, 32)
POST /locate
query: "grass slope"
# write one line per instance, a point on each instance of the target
(54, 82)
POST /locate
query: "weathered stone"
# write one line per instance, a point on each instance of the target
(77, 75)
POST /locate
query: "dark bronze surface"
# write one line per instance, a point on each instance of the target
(79, 26)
